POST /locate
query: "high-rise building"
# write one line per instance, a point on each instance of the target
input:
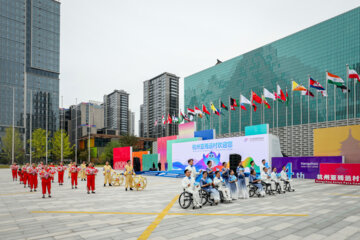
(85, 117)
(161, 98)
(141, 121)
(131, 122)
(116, 110)
(29, 65)
(329, 45)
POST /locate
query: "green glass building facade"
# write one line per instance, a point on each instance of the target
(329, 45)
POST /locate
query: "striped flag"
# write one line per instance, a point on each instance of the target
(353, 74)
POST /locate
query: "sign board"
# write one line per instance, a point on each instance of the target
(340, 173)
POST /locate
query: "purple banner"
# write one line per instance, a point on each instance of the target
(303, 167)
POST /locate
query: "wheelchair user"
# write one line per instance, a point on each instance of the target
(208, 186)
(266, 180)
(276, 180)
(188, 184)
(256, 182)
(284, 177)
(219, 183)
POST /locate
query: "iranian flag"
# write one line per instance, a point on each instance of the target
(354, 74)
(333, 79)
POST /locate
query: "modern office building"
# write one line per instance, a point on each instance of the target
(141, 121)
(29, 65)
(161, 97)
(85, 117)
(131, 122)
(116, 111)
(329, 45)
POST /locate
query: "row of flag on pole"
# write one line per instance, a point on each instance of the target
(279, 95)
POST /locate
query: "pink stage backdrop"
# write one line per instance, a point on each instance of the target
(162, 149)
(186, 130)
(121, 156)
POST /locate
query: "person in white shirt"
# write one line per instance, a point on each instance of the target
(219, 183)
(188, 184)
(284, 177)
(192, 169)
(265, 177)
(275, 179)
(262, 165)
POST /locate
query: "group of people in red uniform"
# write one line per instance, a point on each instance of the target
(28, 175)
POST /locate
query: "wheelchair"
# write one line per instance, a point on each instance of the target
(267, 187)
(206, 198)
(278, 188)
(222, 198)
(253, 191)
(287, 186)
(186, 199)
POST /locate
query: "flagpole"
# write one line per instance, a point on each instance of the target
(355, 98)
(292, 120)
(335, 105)
(347, 94)
(263, 118)
(301, 147)
(229, 116)
(251, 108)
(219, 117)
(286, 117)
(308, 116)
(240, 115)
(273, 121)
(327, 114)
(277, 118)
(317, 109)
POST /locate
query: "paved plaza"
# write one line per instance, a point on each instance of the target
(313, 211)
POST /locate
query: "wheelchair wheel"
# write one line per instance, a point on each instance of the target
(252, 192)
(204, 197)
(185, 200)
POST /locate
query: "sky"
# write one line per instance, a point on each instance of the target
(118, 44)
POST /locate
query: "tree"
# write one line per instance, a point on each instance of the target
(56, 145)
(39, 143)
(107, 154)
(83, 155)
(128, 140)
(7, 144)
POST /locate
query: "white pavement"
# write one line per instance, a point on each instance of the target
(313, 211)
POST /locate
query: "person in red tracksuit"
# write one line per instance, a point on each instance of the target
(14, 169)
(61, 169)
(52, 167)
(25, 175)
(74, 175)
(33, 175)
(45, 175)
(20, 174)
(91, 173)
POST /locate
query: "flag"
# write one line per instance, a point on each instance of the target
(333, 79)
(156, 122)
(280, 94)
(233, 104)
(297, 87)
(315, 84)
(353, 74)
(343, 88)
(287, 98)
(204, 109)
(198, 112)
(181, 117)
(244, 100)
(323, 93)
(268, 94)
(185, 117)
(169, 119)
(163, 120)
(265, 102)
(224, 106)
(190, 112)
(255, 97)
(215, 110)
(307, 93)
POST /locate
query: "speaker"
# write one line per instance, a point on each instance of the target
(234, 161)
(136, 163)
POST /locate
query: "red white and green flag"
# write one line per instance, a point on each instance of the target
(204, 109)
(233, 104)
(224, 106)
(353, 74)
(265, 102)
(280, 94)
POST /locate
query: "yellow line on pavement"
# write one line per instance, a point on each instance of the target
(81, 212)
(15, 193)
(239, 214)
(158, 219)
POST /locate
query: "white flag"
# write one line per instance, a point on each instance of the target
(244, 100)
(268, 94)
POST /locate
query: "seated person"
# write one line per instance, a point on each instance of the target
(219, 183)
(275, 179)
(188, 184)
(207, 185)
(284, 177)
(256, 182)
(266, 180)
(209, 170)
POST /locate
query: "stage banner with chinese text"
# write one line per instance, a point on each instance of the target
(347, 173)
(120, 156)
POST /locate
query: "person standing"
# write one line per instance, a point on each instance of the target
(194, 174)
(20, 174)
(14, 169)
(107, 174)
(53, 171)
(129, 172)
(82, 172)
(45, 175)
(209, 170)
(225, 171)
(74, 175)
(61, 169)
(33, 177)
(69, 166)
(26, 179)
(242, 189)
(91, 173)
